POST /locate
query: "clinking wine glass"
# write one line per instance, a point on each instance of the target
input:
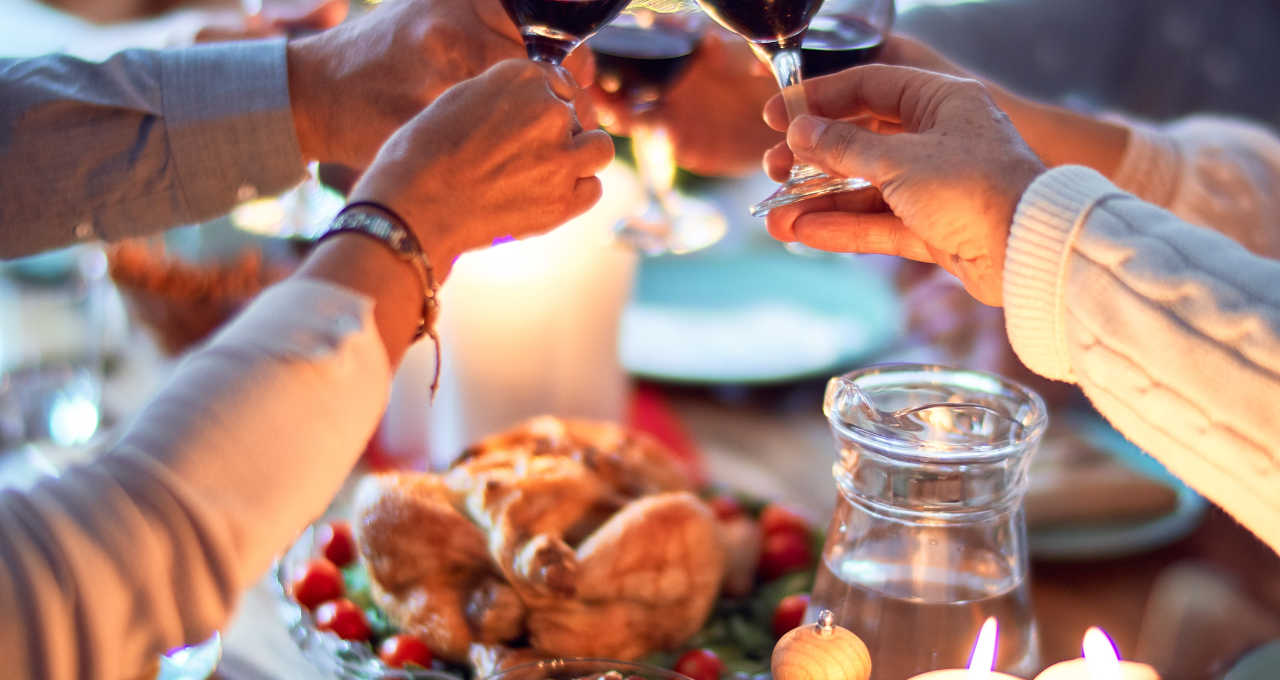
(638, 58)
(775, 29)
(551, 29)
(844, 34)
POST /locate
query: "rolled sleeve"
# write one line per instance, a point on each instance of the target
(227, 111)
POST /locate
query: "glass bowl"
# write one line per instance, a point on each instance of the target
(326, 651)
(593, 669)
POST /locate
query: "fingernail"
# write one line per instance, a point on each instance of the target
(805, 131)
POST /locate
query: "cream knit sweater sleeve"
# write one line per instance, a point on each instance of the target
(1172, 331)
(1218, 172)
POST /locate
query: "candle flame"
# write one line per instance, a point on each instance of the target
(655, 157)
(1100, 655)
(983, 659)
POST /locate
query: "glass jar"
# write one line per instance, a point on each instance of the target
(929, 535)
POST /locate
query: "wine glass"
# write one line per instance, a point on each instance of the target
(844, 34)
(775, 29)
(638, 58)
(553, 28)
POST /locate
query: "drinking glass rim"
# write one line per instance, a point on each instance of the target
(1033, 424)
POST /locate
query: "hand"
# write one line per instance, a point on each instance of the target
(311, 17)
(947, 184)
(353, 86)
(499, 155)
(711, 112)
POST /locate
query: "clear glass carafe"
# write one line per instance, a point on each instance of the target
(929, 536)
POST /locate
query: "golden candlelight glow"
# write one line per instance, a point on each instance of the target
(983, 659)
(1100, 655)
(655, 157)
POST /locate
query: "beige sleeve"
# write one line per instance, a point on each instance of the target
(148, 547)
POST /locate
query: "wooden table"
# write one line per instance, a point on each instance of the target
(1218, 590)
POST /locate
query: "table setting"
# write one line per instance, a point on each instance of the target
(655, 444)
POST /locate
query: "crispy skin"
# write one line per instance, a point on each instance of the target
(543, 486)
(429, 567)
(581, 536)
(646, 580)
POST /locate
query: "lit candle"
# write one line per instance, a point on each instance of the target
(1100, 662)
(981, 661)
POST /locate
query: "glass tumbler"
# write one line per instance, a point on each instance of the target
(929, 535)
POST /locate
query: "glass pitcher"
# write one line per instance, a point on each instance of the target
(929, 535)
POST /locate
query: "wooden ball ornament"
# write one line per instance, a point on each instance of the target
(821, 651)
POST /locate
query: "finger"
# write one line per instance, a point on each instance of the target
(315, 17)
(845, 149)
(591, 152)
(585, 108)
(894, 93)
(582, 64)
(586, 191)
(778, 161)
(561, 83)
(878, 233)
(781, 220)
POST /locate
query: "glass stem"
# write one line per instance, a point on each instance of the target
(654, 156)
(785, 62)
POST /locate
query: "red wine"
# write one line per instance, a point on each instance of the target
(636, 65)
(554, 27)
(763, 21)
(835, 43)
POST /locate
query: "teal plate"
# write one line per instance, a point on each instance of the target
(1120, 539)
(755, 315)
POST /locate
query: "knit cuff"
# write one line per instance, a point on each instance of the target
(1035, 265)
(1151, 164)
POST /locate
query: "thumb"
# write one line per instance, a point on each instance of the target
(840, 148)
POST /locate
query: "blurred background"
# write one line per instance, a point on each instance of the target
(722, 352)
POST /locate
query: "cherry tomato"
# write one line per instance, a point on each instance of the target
(318, 582)
(775, 518)
(700, 664)
(785, 552)
(343, 618)
(336, 543)
(398, 650)
(726, 508)
(789, 614)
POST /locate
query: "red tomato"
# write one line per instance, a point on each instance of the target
(785, 552)
(775, 518)
(789, 614)
(398, 650)
(700, 664)
(336, 543)
(343, 618)
(319, 582)
(726, 508)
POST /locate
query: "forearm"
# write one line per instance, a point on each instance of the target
(150, 546)
(144, 141)
(1060, 136)
(1173, 332)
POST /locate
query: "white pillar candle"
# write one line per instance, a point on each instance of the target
(527, 328)
(1100, 662)
(981, 661)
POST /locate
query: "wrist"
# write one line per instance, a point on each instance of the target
(307, 91)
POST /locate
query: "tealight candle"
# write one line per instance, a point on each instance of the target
(1100, 662)
(981, 661)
